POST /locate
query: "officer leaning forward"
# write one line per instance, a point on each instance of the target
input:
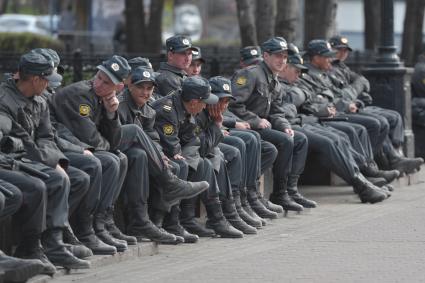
(89, 110)
(255, 91)
(28, 115)
(179, 132)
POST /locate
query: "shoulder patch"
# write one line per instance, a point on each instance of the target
(168, 129)
(241, 80)
(84, 110)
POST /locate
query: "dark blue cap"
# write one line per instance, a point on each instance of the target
(297, 61)
(178, 43)
(142, 74)
(197, 87)
(139, 62)
(274, 45)
(320, 47)
(50, 53)
(116, 68)
(250, 55)
(338, 42)
(36, 64)
(196, 54)
(221, 87)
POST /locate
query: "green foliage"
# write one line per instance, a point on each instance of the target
(23, 42)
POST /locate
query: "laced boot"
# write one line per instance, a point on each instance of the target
(115, 231)
(281, 197)
(218, 222)
(19, 270)
(242, 213)
(257, 205)
(295, 195)
(103, 234)
(189, 222)
(85, 233)
(259, 222)
(269, 205)
(57, 253)
(231, 214)
(30, 248)
(176, 189)
(74, 245)
(372, 170)
(172, 225)
(367, 191)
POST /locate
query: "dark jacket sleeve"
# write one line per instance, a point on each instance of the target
(167, 126)
(210, 136)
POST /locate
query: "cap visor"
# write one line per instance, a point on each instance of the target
(184, 49)
(301, 67)
(223, 95)
(109, 74)
(328, 54)
(146, 81)
(212, 99)
(252, 61)
(54, 78)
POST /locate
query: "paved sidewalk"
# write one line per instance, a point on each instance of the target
(340, 241)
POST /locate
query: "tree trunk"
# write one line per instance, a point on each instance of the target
(83, 10)
(265, 19)
(372, 16)
(322, 26)
(247, 22)
(134, 25)
(154, 30)
(3, 6)
(412, 31)
(287, 19)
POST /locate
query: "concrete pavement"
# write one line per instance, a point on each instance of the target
(340, 241)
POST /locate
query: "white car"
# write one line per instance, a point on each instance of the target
(24, 23)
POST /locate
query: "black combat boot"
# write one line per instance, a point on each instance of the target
(85, 233)
(231, 214)
(176, 189)
(30, 248)
(103, 234)
(218, 222)
(115, 231)
(57, 253)
(295, 194)
(371, 170)
(172, 225)
(281, 197)
(406, 165)
(257, 205)
(19, 270)
(377, 181)
(74, 245)
(242, 213)
(366, 190)
(189, 222)
(259, 222)
(269, 205)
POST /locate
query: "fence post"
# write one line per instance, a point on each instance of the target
(77, 64)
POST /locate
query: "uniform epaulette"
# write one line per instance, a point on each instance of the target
(168, 105)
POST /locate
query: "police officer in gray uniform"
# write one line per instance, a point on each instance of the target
(135, 109)
(255, 91)
(250, 55)
(30, 130)
(172, 72)
(333, 149)
(357, 87)
(92, 105)
(179, 132)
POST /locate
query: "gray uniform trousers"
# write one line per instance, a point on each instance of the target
(80, 183)
(233, 162)
(10, 199)
(28, 200)
(333, 150)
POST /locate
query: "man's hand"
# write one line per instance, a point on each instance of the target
(332, 111)
(215, 113)
(242, 125)
(178, 156)
(352, 108)
(264, 124)
(166, 160)
(61, 170)
(225, 133)
(290, 132)
(111, 102)
(87, 152)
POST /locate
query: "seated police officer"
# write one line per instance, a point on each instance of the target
(32, 138)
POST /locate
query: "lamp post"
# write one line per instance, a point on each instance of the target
(389, 79)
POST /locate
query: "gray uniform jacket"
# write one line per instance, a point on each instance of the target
(256, 90)
(82, 112)
(30, 124)
(178, 130)
(169, 79)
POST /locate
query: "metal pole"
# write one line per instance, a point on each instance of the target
(387, 51)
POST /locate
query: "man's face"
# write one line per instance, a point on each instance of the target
(103, 86)
(322, 62)
(290, 73)
(223, 103)
(342, 53)
(194, 68)
(180, 60)
(195, 106)
(141, 93)
(39, 84)
(276, 61)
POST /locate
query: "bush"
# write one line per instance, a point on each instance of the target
(24, 42)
